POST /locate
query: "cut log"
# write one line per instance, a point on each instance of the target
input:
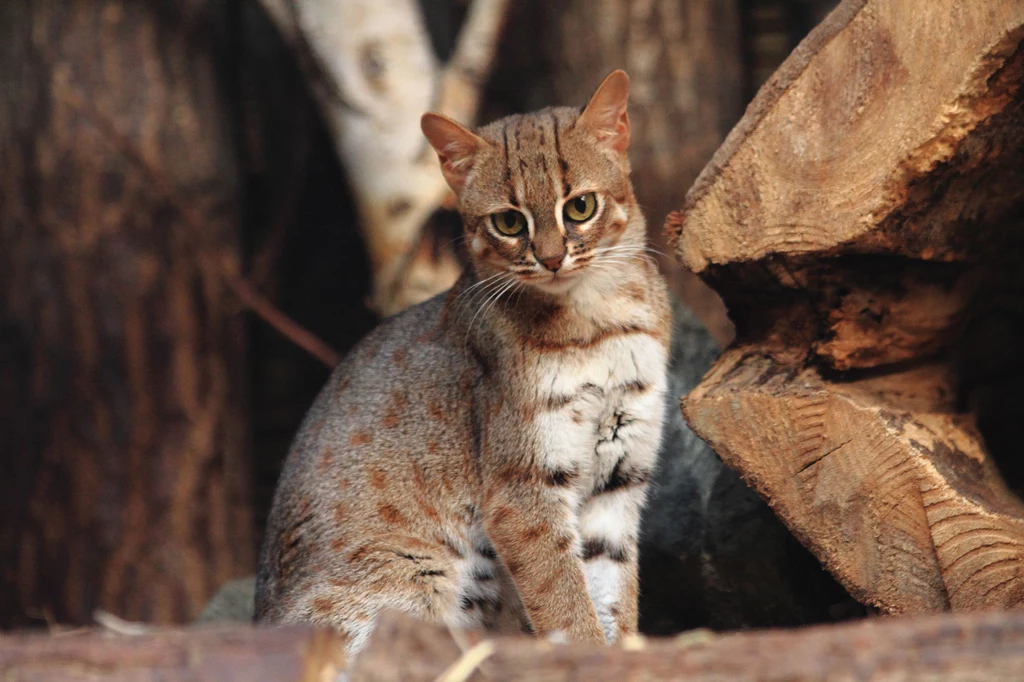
(124, 481)
(977, 647)
(987, 647)
(863, 224)
(212, 654)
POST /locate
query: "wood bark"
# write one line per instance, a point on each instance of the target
(863, 223)
(976, 647)
(687, 90)
(213, 654)
(125, 477)
(986, 647)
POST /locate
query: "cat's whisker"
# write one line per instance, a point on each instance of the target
(494, 300)
(490, 285)
(477, 284)
(498, 291)
(631, 248)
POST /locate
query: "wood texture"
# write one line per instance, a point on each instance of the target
(863, 224)
(986, 647)
(125, 479)
(214, 654)
(843, 144)
(880, 477)
(978, 648)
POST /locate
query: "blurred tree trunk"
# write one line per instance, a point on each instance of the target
(684, 59)
(124, 481)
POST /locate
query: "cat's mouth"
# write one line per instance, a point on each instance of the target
(554, 282)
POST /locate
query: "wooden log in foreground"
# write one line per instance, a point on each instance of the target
(205, 654)
(863, 223)
(977, 647)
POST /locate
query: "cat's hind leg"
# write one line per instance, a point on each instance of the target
(392, 572)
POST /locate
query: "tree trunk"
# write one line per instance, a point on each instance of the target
(863, 223)
(125, 480)
(685, 66)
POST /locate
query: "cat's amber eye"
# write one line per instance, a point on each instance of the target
(510, 222)
(581, 208)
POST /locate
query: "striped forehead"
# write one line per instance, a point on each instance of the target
(537, 171)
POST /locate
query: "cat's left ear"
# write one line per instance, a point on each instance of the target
(456, 147)
(605, 113)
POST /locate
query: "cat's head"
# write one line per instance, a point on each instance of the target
(545, 197)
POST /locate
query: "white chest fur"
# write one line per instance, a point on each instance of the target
(600, 403)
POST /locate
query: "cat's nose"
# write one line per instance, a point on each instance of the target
(552, 263)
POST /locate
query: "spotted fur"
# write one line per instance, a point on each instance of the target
(482, 459)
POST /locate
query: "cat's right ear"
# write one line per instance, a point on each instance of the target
(456, 147)
(605, 113)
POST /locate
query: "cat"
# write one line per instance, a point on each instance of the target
(482, 458)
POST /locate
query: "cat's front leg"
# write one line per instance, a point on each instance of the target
(530, 513)
(610, 557)
(610, 519)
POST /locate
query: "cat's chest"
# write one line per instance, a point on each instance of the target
(589, 396)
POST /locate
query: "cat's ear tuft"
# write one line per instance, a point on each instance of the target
(456, 147)
(605, 113)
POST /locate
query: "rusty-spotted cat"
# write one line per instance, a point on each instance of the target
(482, 458)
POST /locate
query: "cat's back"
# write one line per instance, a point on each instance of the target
(400, 389)
(386, 447)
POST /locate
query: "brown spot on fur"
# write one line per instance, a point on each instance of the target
(361, 438)
(358, 554)
(513, 566)
(430, 512)
(390, 420)
(400, 357)
(501, 514)
(323, 606)
(548, 585)
(436, 413)
(634, 291)
(324, 464)
(518, 475)
(338, 544)
(563, 543)
(419, 477)
(392, 515)
(340, 512)
(545, 345)
(400, 400)
(533, 533)
(378, 479)
(433, 447)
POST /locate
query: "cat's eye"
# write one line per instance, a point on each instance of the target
(581, 208)
(510, 222)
